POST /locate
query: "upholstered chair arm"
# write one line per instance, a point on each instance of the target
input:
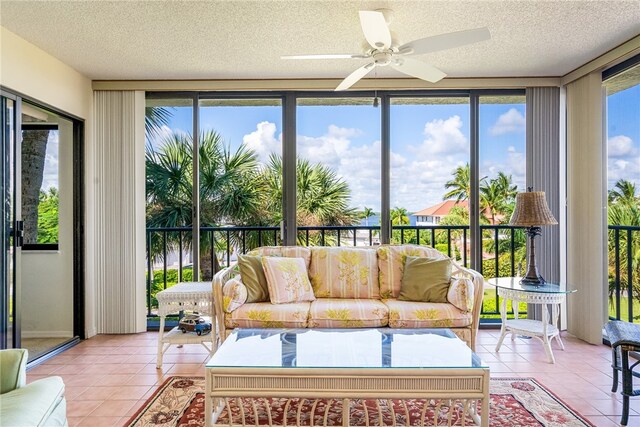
(219, 279)
(13, 369)
(478, 293)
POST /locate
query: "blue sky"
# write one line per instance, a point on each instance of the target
(427, 142)
(623, 135)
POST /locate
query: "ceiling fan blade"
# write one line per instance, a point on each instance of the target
(375, 29)
(355, 76)
(445, 41)
(325, 56)
(419, 69)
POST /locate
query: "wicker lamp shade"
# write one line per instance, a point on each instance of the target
(531, 210)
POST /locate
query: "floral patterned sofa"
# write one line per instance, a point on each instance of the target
(354, 287)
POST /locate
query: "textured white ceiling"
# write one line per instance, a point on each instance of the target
(134, 40)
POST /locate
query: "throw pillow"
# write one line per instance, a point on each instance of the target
(425, 279)
(461, 294)
(253, 277)
(287, 280)
(234, 294)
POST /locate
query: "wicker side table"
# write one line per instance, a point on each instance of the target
(547, 294)
(192, 296)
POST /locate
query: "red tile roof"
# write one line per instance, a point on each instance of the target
(442, 208)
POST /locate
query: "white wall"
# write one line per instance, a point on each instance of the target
(47, 276)
(29, 70)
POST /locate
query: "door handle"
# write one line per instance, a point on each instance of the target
(19, 233)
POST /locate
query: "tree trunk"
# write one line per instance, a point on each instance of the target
(206, 269)
(34, 149)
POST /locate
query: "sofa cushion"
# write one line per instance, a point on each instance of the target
(284, 252)
(234, 294)
(40, 403)
(344, 272)
(425, 279)
(348, 313)
(267, 315)
(391, 260)
(288, 280)
(253, 277)
(410, 314)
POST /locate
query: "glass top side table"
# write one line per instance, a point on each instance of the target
(548, 294)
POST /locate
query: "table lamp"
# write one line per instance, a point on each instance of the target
(531, 212)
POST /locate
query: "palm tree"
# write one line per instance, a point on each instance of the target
(460, 186)
(322, 197)
(399, 216)
(229, 186)
(624, 192)
(155, 118)
(366, 214)
(492, 199)
(506, 186)
(623, 214)
(34, 150)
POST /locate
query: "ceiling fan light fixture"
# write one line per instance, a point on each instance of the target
(382, 50)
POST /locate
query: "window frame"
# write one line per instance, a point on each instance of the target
(289, 102)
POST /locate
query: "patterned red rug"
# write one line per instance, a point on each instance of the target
(514, 402)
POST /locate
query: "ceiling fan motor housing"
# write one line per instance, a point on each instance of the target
(382, 58)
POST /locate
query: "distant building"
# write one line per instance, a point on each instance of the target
(434, 214)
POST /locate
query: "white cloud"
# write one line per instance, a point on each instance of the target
(620, 146)
(623, 160)
(263, 141)
(628, 169)
(359, 166)
(514, 165)
(510, 122)
(417, 178)
(442, 137)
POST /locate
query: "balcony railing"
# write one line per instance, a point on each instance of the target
(168, 250)
(624, 273)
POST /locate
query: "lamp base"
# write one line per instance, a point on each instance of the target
(535, 281)
(532, 277)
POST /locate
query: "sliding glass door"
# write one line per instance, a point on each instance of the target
(41, 273)
(10, 246)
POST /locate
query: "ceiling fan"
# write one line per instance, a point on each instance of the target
(385, 52)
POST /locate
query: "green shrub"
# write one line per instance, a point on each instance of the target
(504, 266)
(157, 283)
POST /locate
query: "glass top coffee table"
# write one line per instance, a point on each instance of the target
(344, 365)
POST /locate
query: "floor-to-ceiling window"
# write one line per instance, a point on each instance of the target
(169, 189)
(502, 174)
(622, 84)
(430, 180)
(413, 163)
(240, 165)
(338, 170)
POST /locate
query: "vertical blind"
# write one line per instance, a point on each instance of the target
(586, 208)
(543, 169)
(119, 214)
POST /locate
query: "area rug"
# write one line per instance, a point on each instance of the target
(520, 402)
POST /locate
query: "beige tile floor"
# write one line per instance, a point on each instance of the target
(108, 377)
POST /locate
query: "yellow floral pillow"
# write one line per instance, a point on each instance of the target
(234, 294)
(344, 272)
(461, 294)
(287, 280)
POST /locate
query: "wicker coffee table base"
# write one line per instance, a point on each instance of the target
(467, 386)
